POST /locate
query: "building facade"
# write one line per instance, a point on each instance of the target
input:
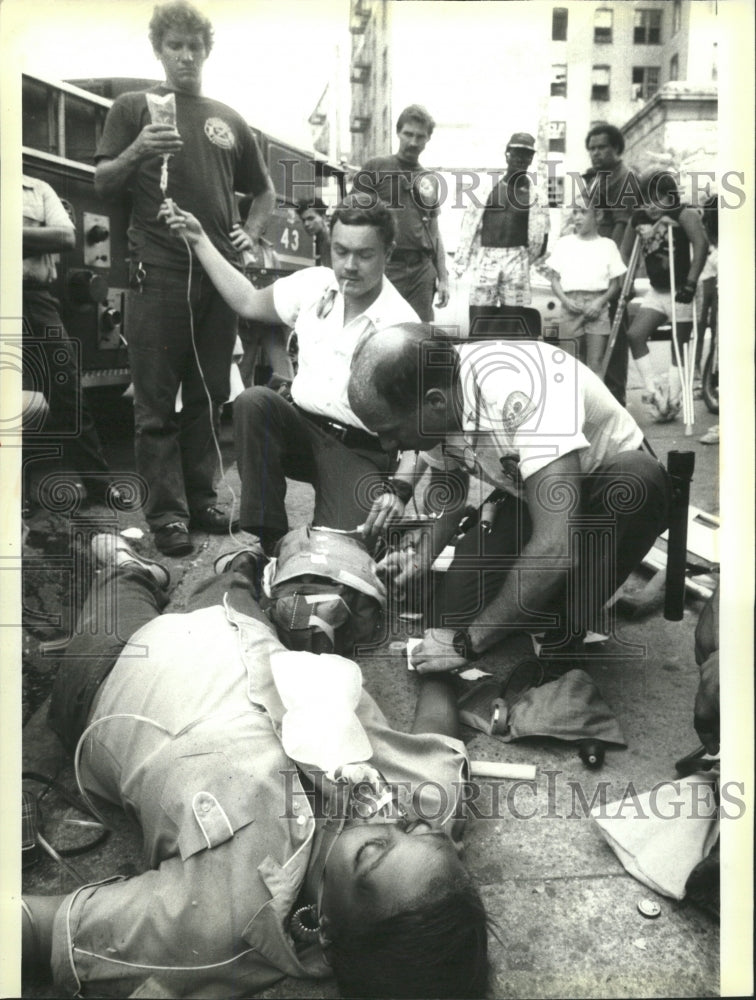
(485, 70)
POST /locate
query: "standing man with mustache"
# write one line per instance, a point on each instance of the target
(211, 154)
(417, 267)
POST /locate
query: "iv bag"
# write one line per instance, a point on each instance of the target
(162, 109)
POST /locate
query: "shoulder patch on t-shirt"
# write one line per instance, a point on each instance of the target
(516, 410)
(220, 133)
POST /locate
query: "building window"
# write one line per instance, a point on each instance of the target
(600, 83)
(674, 68)
(555, 191)
(647, 29)
(559, 81)
(676, 17)
(559, 24)
(602, 25)
(557, 136)
(645, 82)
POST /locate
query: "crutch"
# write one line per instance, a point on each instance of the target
(687, 408)
(692, 353)
(622, 301)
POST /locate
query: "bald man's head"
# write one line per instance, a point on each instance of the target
(402, 385)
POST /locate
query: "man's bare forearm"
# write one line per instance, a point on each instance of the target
(259, 212)
(239, 293)
(112, 177)
(436, 710)
(534, 579)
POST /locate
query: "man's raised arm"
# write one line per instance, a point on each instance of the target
(246, 300)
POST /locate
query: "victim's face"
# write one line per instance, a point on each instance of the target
(375, 870)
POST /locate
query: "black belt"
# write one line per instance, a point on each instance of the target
(351, 437)
(410, 256)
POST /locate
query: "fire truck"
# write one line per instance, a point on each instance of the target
(62, 125)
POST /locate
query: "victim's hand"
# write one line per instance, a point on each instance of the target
(436, 653)
(400, 567)
(361, 773)
(181, 223)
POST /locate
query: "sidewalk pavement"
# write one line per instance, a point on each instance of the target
(565, 911)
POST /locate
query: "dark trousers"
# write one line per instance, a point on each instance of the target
(175, 452)
(616, 374)
(416, 283)
(623, 509)
(275, 440)
(51, 366)
(119, 603)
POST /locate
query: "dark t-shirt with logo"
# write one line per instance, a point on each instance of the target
(219, 156)
(410, 191)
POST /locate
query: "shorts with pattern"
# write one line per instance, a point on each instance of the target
(500, 276)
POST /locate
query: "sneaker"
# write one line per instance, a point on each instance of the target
(213, 520)
(173, 539)
(246, 560)
(711, 436)
(111, 551)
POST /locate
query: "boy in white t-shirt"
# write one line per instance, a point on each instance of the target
(586, 271)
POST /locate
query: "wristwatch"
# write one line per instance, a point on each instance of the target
(462, 644)
(401, 489)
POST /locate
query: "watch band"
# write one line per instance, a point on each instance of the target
(400, 489)
(462, 644)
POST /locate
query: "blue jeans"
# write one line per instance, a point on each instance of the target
(175, 452)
